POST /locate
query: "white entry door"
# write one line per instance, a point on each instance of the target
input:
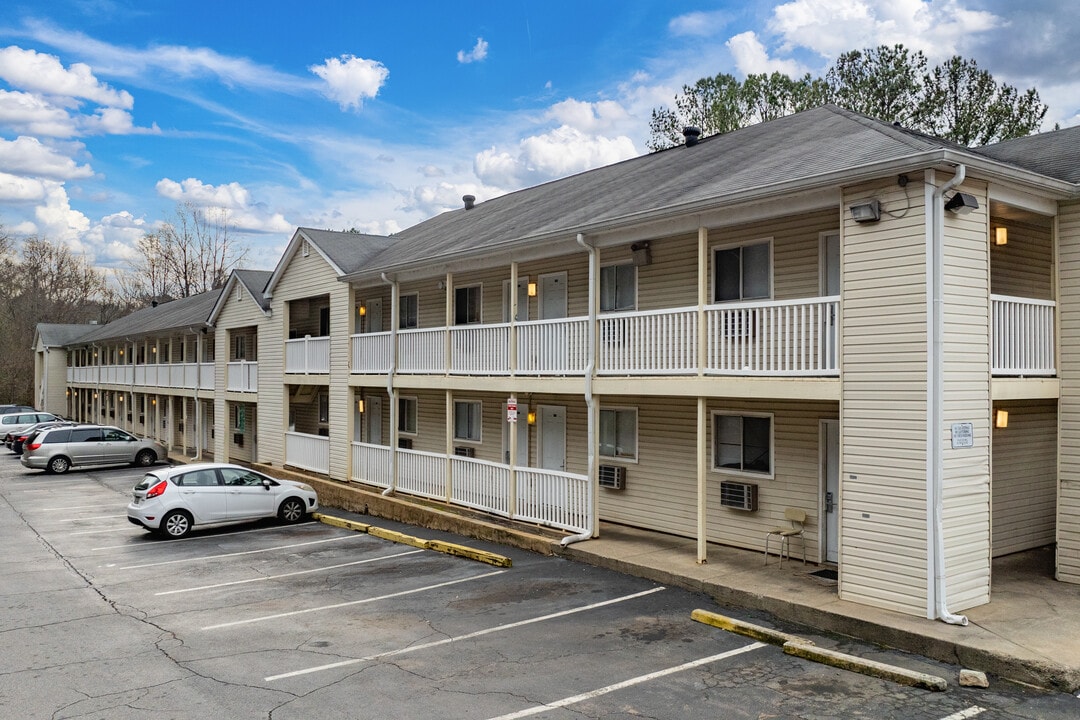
(373, 320)
(552, 296)
(830, 501)
(552, 437)
(373, 417)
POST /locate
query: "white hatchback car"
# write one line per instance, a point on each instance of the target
(171, 501)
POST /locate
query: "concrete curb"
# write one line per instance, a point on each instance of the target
(799, 647)
(437, 545)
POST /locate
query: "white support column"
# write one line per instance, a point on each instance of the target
(702, 476)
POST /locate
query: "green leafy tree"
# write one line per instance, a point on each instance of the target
(955, 100)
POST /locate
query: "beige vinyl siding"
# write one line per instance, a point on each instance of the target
(1025, 477)
(1023, 267)
(240, 315)
(1068, 501)
(576, 267)
(883, 402)
(967, 400)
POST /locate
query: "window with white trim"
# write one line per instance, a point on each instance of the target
(742, 443)
(467, 302)
(406, 418)
(241, 347)
(467, 420)
(618, 287)
(409, 311)
(618, 433)
(324, 408)
(742, 272)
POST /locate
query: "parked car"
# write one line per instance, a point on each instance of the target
(171, 501)
(15, 441)
(6, 409)
(58, 449)
(15, 422)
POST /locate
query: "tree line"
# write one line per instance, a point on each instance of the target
(44, 281)
(955, 100)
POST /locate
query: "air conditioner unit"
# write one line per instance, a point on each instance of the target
(612, 477)
(738, 495)
(463, 451)
(404, 443)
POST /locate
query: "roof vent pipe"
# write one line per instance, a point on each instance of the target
(469, 200)
(691, 134)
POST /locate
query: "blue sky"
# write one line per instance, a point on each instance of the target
(376, 116)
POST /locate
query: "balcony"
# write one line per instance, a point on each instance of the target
(307, 355)
(242, 376)
(308, 452)
(188, 376)
(546, 497)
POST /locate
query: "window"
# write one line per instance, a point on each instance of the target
(467, 421)
(742, 273)
(198, 478)
(742, 443)
(324, 408)
(116, 435)
(618, 433)
(241, 347)
(467, 305)
(408, 311)
(243, 478)
(618, 288)
(239, 418)
(406, 418)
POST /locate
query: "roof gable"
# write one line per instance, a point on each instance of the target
(344, 252)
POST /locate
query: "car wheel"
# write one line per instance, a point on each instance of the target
(146, 458)
(291, 511)
(59, 465)
(175, 525)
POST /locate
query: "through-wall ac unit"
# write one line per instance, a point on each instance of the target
(738, 495)
(404, 443)
(465, 451)
(612, 477)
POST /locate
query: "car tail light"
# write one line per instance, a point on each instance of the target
(156, 490)
(33, 446)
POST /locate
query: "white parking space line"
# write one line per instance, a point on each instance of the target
(95, 517)
(963, 714)
(77, 507)
(119, 528)
(162, 543)
(285, 575)
(350, 603)
(573, 700)
(350, 536)
(467, 636)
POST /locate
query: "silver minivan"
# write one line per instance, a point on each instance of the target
(58, 449)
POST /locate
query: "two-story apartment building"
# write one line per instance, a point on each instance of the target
(823, 312)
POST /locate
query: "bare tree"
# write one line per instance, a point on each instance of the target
(41, 281)
(189, 254)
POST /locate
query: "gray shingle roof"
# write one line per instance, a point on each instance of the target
(788, 152)
(255, 282)
(1052, 153)
(174, 315)
(348, 250)
(58, 334)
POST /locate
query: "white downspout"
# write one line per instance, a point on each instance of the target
(935, 390)
(590, 401)
(390, 390)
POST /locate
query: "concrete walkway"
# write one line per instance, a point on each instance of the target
(1029, 632)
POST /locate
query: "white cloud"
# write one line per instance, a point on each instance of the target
(557, 153)
(113, 121)
(751, 57)
(14, 188)
(699, 24)
(57, 221)
(349, 79)
(28, 156)
(477, 54)
(28, 113)
(46, 75)
(940, 28)
(588, 116)
(234, 198)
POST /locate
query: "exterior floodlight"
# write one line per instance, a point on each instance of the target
(962, 203)
(866, 212)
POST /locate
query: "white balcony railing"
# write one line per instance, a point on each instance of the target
(308, 452)
(555, 499)
(792, 337)
(307, 355)
(371, 352)
(1023, 336)
(165, 375)
(422, 351)
(659, 342)
(242, 376)
(480, 349)
(553, 347)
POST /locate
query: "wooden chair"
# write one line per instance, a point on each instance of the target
(796, 521)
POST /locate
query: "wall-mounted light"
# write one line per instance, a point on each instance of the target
(1001, 418)
(154, 349)
(1001, 236)
(867, 211)
(120, 398)
(531, 417)
(441, 285)
(360, 405)
(362, 310)
(153, 401)
(962, 203)
(95, 396)
(532, 289)
(68, 393)
(121, 352)
(641, 252)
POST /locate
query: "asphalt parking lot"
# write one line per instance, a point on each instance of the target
(101, 619)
